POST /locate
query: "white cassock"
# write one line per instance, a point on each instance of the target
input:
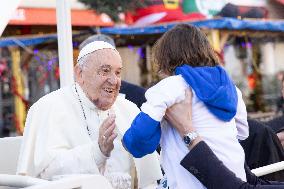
(56, 140)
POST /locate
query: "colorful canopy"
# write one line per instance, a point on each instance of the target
(31, 40)
(220, 23)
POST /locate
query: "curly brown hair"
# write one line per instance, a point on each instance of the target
(183, 44)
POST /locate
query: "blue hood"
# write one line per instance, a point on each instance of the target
(213, 86)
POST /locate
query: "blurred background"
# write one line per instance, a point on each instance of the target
(247, 35)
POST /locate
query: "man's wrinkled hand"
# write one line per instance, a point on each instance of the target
(107, 135)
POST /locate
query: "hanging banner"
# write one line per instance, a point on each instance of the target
(161, 11)
(6, 11)
(207, 7)
(212, 7)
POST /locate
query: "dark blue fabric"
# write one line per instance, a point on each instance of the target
(213, 86)
(215, 175)
(133, 93)
(143, 137)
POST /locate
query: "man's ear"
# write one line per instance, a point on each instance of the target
(78, 74)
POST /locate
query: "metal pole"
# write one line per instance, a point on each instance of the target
(268, 169)
(65, 47)
(1, 111)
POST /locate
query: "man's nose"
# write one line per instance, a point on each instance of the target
(113, 79)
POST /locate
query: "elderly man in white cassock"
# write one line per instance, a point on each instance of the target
(78, 129)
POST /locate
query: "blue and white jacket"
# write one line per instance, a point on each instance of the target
(211, 85)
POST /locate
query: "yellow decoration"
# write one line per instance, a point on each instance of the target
(215, 40)
(20, 108)
(171, 4)
(75, 56)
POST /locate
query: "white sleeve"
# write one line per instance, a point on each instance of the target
(79, 160)
(54, 153)
(241, 118)
(164, 94)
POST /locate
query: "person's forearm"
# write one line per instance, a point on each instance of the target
(211, 172)
(204, 165)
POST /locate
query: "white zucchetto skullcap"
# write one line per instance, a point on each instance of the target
(92, 47)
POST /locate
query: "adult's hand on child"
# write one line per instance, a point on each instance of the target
(180, 114)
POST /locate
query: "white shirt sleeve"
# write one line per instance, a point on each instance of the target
(241, 118)
(164, 94)
(54, 153)
(79, 160)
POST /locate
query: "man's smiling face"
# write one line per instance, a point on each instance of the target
(100, 77)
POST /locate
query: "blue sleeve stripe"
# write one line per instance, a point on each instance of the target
(143, 137)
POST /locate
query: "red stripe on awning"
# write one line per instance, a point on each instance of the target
(281, 1)
(47, 16)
